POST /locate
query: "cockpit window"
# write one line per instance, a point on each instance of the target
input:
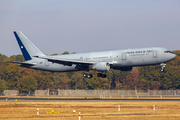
(168, 52)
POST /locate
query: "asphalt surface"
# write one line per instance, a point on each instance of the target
(65, 99)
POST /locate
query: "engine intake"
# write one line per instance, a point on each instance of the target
(101, 66)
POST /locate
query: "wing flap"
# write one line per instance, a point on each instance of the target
(68, 62)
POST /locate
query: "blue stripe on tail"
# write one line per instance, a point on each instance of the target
(23, 49)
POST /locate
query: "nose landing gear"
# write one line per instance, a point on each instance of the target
(163, 65)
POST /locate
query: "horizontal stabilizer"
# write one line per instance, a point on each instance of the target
(22, 63)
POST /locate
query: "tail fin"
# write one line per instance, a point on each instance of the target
(28, 49)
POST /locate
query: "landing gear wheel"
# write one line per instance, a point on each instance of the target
(85, 74)
(89, 76)
(101, 75)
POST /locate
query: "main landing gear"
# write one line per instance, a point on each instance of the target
(87, 75)
(101, 75)
(90, 75)
(163, 65)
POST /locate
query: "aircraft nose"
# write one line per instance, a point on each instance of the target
(174, 55)
(170, 56)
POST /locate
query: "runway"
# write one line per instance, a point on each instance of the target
(65, 99)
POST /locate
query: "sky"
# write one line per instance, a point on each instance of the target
(55, 26)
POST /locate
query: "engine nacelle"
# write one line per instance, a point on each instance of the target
(101, 66)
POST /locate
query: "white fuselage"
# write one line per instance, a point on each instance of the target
(117, 58)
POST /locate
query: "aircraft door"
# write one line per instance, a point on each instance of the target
(81, 58)
(124, 56)
(46, 63)
(154, 53)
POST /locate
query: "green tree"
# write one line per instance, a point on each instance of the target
(3, 57)
(65, 82)
(3, 86)
(27, 84)
(13, 75)
(20, 58)
(78, 81)
(64, 53)
(44, 79)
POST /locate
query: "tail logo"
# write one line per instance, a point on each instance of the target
(27, 48)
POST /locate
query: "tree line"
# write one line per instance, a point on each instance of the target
(14, 77)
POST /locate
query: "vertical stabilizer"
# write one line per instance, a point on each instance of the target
(28, 49)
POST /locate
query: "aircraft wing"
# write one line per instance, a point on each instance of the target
(68, 62)
(22, 63)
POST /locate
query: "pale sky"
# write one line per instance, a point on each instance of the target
(55, 26)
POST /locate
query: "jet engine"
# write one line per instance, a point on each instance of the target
(101, 66)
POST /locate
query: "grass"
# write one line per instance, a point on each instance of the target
(22, 110)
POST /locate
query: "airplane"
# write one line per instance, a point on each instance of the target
(123, 60)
